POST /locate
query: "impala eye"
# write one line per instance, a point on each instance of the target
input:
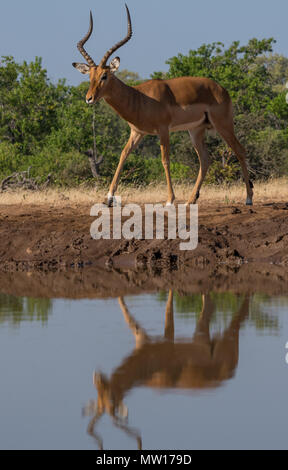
(104, 76)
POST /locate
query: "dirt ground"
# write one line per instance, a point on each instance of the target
(250, 243)
(51, 237)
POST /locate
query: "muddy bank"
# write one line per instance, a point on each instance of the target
(105, 283)
(49, 238)
(48, 252)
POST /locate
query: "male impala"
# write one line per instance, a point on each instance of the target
(158, 107)
(197, 363)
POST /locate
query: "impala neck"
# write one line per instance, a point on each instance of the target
(122, 98)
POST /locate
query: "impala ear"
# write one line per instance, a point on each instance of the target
(83, 68)
(114, 64)
(122, 411)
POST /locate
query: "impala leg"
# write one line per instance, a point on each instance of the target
(241, 155)
(202, 332)
(197, 137)
(169, 318)
(165, 152)
(227, 133)
(141, 337)
(226, 348)
(132, 143)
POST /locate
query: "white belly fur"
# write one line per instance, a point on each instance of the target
(188, 118)
(187, 126)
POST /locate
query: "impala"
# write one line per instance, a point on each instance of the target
(201, 362)
(158, 107)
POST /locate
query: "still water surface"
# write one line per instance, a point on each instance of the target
(158, 371)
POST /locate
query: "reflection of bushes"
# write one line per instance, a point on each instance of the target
(228, 304)
(18, 309)
(261, 315)
(15, 310)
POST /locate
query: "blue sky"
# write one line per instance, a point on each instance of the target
(162, 28)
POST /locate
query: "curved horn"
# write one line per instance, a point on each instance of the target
(119, 44)
(81, 43)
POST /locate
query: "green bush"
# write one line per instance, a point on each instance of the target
(10, 159)
(66, 168)
(49, 127)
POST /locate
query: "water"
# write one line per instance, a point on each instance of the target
(221, 383)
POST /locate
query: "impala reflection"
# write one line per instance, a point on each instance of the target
(165, 362)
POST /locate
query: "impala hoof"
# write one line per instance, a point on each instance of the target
(114, 201)
(111, 202)
(249, 202)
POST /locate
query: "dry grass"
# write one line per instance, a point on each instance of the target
(272, 191)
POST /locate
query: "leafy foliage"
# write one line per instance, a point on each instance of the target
(255, 79)
(48, 127)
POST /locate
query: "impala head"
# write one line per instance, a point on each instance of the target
(102, 74)
(108, 402)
